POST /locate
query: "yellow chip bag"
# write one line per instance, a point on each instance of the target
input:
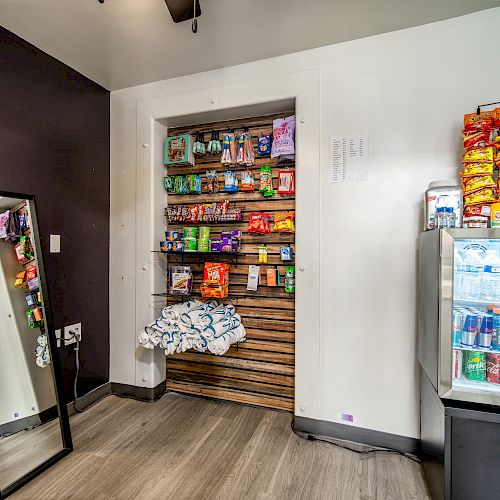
(475, 169)
(479, 155)
(473, 184)
(486, 195)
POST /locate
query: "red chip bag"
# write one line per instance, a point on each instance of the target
(477, 139)
(258, 223)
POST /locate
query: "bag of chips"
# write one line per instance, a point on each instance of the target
(479, 155)
(266, 181)
(284, 222)
(258, 223)
(473, 184)
(247, 181)
(485, 120)
(168, 184)
(31, 273)
(283, 138)
(487, 195)
(20, 280)
(475, 169)
(194, 184)
(231, 181)
(212, 181)
(477, 139)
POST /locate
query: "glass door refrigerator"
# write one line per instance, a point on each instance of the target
(459, 355)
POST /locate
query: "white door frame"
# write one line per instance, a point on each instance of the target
(304, 87)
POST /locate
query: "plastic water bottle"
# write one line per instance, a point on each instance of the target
(496, 329)
(441, 217)
(491, 277)
(451, 221)
(458, 277)
(472, 278)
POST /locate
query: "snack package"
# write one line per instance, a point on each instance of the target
(286, 253)
(477, 211)
(20, 280)
(33, 284)
(253, 278)
(284, 222)
(283, 138)
(228, 149)
(245, 149)
(266, 181)
(31, 319)
(487, 195)
(475, 169)
(247, 181)
(212, 182)
(178, 150)
(262, 254)
(273, 276)
(180, 185)
(286, 182)
(485, 120)
(473, 184)
(477, 139)
(264, 144)
(290, 279)
(479, 155)
(31, 273)
(194, 184)
(258, 223)
(168, 184)
(215, 280)
(231, 181)
(37, 313)
(180, 280)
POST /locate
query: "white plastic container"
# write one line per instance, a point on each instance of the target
(442, 194)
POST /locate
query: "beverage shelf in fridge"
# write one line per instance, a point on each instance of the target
(464, 384)
(480, 303)
(476, 349)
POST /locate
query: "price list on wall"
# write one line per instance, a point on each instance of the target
(348, 158)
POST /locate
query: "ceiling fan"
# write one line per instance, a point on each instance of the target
(183, 10)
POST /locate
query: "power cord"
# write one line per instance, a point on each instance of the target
(374, 449)
(77, 362)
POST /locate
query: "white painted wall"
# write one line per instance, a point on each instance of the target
(408, 90)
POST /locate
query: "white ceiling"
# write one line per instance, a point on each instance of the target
(122, 43)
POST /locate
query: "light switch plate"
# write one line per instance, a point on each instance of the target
(55, 243)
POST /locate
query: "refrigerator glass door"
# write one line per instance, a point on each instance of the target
(475, 322)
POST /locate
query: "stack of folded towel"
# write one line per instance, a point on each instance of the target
(194, 325)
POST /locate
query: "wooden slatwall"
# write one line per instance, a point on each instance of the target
(259, 371)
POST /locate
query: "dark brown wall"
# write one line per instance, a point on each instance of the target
(54, 143)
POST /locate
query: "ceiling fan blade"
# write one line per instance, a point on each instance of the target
(182, 10)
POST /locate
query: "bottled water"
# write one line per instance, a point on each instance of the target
(458, 278)
(473, 274)
(451, 221)
(442, 218)
(491, 277)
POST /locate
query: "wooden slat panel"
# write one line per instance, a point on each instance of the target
(229, 383)
(233, 373)
(242, 364)
(260, 370)
(264, 400)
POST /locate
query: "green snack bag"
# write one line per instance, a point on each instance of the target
(266, 181)
(290, 279)
(168, 184)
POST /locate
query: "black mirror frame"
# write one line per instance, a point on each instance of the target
(54, 358)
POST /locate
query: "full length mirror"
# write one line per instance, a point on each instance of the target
(34, 426)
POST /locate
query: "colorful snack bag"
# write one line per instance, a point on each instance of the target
(20, 280)
(483, 121)
(215, 280)
(262, 254)
(245, 149)
(266, 181)
(180, 280)
(168, 184)
(247, 181)
(31, 273)
(477, 211)
(212, 182)
(475, 169)
(284, 222)
(290, 279)
(194, 184)
(228, 149)
(475, 155)
(264, 145)
(286, 182)
(283, 138)
(477, 139)
(231, 181)
(258, 223)
(473, 184)
(481, 197)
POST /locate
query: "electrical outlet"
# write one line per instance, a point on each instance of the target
(72, 333)
(58, 337)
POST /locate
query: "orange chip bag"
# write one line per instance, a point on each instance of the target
(482, 121)
(482, 196)
(473, 184)
(475, 155)
(477, 139)
(475, 169)
(283, 222)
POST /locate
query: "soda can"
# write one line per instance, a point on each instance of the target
(493, 368)
(457, 364)
(458, 317)
(469, 331)
(475, 366)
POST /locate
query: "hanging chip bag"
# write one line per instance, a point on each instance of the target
(284, 222)
(286, 182)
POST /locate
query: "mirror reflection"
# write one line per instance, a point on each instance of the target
(30, 431)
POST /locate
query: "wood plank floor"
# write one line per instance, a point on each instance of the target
(182, 447)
